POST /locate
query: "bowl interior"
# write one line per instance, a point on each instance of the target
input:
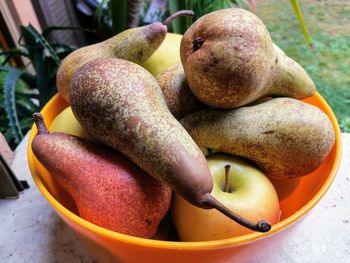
(297, 196)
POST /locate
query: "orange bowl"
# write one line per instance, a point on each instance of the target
(297, 198)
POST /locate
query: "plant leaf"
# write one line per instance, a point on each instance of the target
(297, 10)
(41, 77)
(180, 24)
(27, 102)
(12, 77)
(34, 38)
(26, 123)
(14, 53)
(29, 79)
(118, 14)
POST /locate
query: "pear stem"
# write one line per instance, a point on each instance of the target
(39, 122)
(260, 226)
(177, 14)
(226, 185)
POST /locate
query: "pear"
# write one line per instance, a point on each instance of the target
(284, 137)
(135, 44)
(108, 189)
(121, 104)
(177, 94)
(230, 60)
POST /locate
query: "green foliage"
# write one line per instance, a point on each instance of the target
(102, 20)
(200, 8)
(118, 9)
(111, 16)
(180, 24)
(327, 62)
(203, 7)
(345, 124)
(21, 92)
(13, 75)
(297, 10)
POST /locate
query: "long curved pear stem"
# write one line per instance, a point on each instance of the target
(177, 14)
(39, 122)
(260, 226)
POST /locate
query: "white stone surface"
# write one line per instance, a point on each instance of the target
(30, 231)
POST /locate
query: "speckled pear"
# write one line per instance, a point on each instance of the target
(230, 60)
(135, 44)
(177, 94)
(284, 137)
(121, 104)
(108, 189)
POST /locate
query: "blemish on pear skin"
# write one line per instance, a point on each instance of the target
(247, 69)
(118, 101)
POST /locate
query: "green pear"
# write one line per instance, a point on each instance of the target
(284, 137)
(177, 94)
(121, 104)
(135, 44)
(230, 60)
(108, 189)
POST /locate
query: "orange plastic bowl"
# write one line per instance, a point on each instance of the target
(297, 198)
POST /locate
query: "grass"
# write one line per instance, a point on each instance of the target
(328, 62)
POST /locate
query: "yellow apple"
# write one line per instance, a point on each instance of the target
(248, 193)
(67, 123)
(165, 56)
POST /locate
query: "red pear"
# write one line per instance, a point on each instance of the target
(109, 190)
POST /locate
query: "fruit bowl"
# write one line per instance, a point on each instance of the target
(297, 198)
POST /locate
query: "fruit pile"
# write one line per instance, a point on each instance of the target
(199, 141)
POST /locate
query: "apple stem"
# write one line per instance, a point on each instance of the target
(177, 14)
(226, 185)
(260, 226)
(39, 122)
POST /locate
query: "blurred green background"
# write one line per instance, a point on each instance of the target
(328, 62)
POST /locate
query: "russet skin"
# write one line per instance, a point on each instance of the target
(284, 137)
(121, 104)
(230, 60)
(177, 94)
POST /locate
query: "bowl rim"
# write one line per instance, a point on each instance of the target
(63, 211)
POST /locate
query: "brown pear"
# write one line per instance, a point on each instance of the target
(230, 60)
(284, 137)
(108, 189)
(121, 104)
(135, 44)
(177, 94)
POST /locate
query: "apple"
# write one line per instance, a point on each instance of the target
(165, 56)
(239, 186)
(67, 123)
